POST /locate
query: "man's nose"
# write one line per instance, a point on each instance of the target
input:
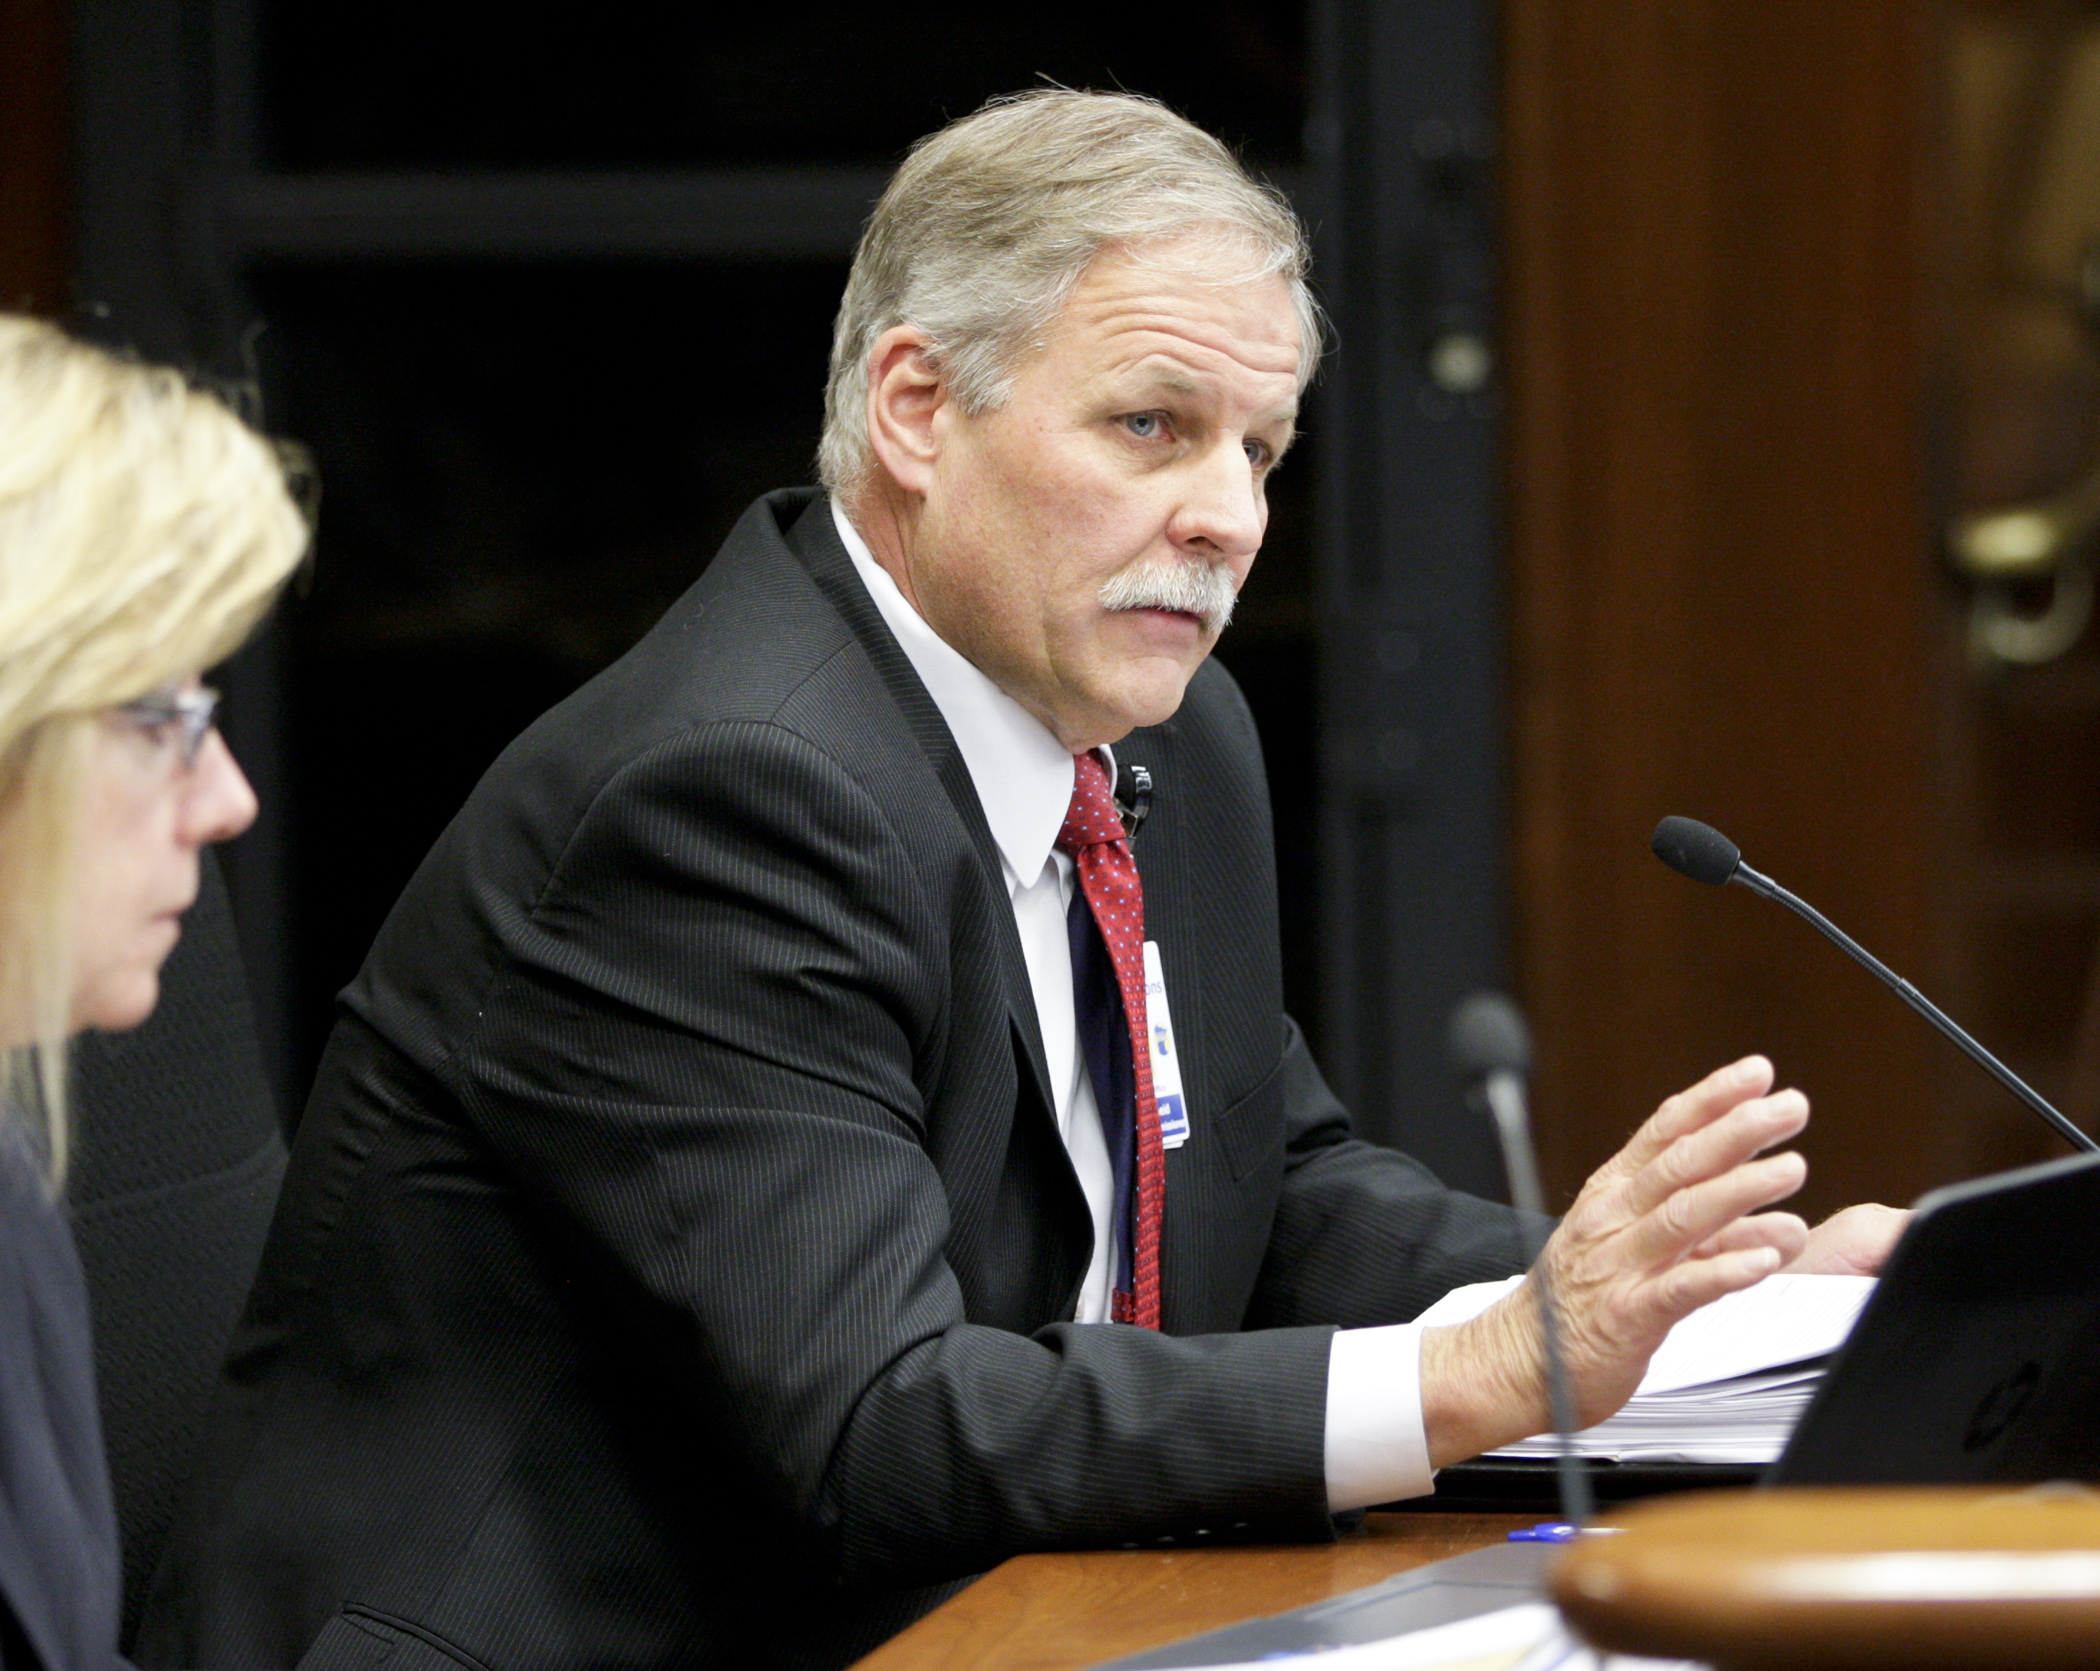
(218, 802)
(1222, 513)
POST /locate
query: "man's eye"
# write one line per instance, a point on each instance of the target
(1258, 454)
(1146, 426)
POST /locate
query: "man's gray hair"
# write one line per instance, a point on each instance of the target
(991, 221)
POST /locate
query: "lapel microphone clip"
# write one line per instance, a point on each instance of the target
(1138, 805)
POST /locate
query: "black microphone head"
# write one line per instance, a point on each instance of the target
(1696, 850)
(1488, 1035)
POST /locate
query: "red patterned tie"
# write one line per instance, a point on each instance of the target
(1108, 876)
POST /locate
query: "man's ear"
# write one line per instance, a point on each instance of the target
(906, 399)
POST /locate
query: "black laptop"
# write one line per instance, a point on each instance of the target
(1978, 1358)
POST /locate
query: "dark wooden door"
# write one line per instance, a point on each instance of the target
(1799, 293)
(2018, 394)
(1725, 597)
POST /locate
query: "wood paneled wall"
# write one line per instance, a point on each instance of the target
(1723, 589)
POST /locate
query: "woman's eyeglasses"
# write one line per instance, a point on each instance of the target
(183, 715)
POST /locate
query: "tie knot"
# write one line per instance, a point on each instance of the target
(1092, 818)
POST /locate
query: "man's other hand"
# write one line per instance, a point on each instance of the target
(1668, 1224)
(1855, 1242)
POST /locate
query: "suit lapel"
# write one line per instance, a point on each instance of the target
(816, 542)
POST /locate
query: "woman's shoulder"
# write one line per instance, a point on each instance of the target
(42, 1287)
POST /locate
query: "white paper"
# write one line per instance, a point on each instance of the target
(1728, 1384)
(1783, 1320)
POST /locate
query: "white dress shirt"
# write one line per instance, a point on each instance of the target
(1375, 1448)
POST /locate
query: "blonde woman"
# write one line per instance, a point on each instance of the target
(144, 530)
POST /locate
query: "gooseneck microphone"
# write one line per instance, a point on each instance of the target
(1705, 855)
(1492, 1049)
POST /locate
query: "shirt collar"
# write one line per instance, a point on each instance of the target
(1022, 773)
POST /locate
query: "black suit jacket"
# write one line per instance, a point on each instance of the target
(676, 1260)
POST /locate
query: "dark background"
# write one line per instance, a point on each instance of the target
(550, 303)
(394, 85)
(526, 462)
(1748, 279)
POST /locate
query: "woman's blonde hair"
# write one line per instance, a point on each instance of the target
(144, 531)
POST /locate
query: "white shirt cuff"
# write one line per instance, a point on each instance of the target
(1377, 1451)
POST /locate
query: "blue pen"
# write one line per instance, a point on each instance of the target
(1559, 1531)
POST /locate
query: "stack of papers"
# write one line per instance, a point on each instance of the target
(1728, 1383)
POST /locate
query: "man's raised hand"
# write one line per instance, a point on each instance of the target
(1667, 1225)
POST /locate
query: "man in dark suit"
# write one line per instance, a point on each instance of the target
(702, 1243)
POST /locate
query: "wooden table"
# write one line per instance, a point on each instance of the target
(1061, 1612)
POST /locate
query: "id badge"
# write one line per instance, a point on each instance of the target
(1166, 1059)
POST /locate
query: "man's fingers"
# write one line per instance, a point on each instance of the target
(1684, 1288)
(1692, 1214)
(1671, 1296)
(1781, 1230)
(1711, 1151)
(1611, 1343)
(1664, 1227)
(1690, 1109)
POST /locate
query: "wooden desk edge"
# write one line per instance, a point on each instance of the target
(1067, 1611)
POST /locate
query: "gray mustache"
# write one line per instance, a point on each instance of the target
(1204, 590)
